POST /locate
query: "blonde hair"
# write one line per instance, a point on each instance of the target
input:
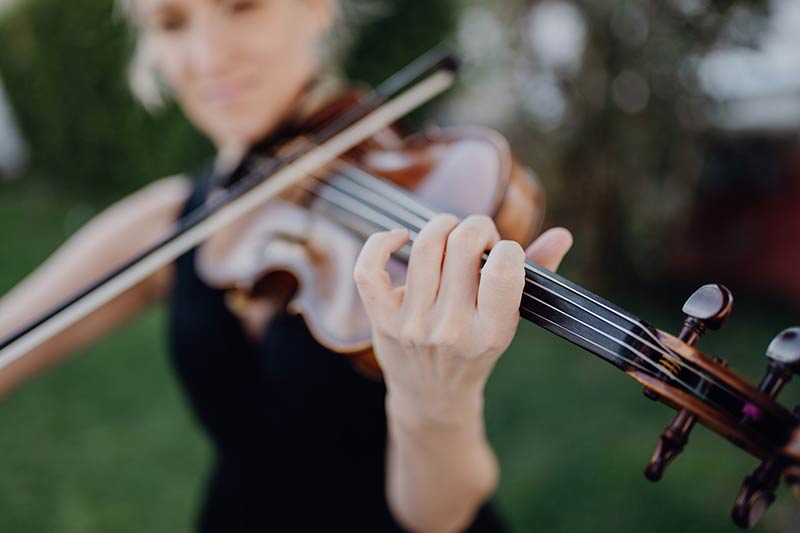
(150, 90)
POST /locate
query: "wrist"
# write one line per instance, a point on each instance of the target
(461, 412)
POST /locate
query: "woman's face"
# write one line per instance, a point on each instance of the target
(235, 66)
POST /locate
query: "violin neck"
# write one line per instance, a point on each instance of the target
(583, 318)
(364, 204)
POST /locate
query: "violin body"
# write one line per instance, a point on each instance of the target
(293, 251)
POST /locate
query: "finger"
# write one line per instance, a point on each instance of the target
(462, 261)
(425, 263)
(501, 285)
(372, 281)
(550, 248)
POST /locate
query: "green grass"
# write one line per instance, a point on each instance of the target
(105, 443)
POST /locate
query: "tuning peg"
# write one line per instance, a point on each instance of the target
(758, 490)
(706, 309)
(757, 493)
(784, 356)
(670, 444)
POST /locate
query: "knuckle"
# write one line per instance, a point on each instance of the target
(424, 245)
(496, 341)
(505, 267)
(445, 338)
(504, 276)
(432, 237)
(464, 237)
(445, 219)
(386, 330)
(369, 249)
(509, 251)
(473, 231)
(362, 277)
(411, 334)
(374, 240)
(486, 225)
(481, 221)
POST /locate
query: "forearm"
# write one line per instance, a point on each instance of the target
(441, 469)
(121, 232)
(14, 313)
(437, 339)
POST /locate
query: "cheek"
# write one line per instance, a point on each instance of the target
(289, 49)
(281, 67)
(280, 60)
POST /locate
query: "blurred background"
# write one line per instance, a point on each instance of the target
(665, 132)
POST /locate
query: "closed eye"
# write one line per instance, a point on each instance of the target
(241, 6)
(172, 22)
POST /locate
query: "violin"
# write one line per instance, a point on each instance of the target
(289, 226)
(315, 232)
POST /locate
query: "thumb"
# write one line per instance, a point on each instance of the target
(550, 248)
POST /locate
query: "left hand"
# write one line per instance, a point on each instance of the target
(438, 337)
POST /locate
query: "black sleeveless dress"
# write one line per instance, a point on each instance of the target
(299, 435)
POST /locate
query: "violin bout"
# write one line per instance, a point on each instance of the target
(299, 250)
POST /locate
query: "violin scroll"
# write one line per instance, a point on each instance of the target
(703, 389)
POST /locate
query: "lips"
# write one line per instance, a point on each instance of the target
(227, 92)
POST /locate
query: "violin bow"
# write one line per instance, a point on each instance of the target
(409, 88)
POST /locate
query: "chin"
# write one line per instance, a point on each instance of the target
(240, 122)
(239, 133)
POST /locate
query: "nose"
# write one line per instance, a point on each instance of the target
(212, 46)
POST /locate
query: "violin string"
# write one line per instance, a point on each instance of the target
(384, 188)
(328, 194)
(382, 201)
(614, 355)
(621, 343)
(357, 203)
(368, 181)
(340, 200)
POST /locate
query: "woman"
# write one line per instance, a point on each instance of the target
(303, 441)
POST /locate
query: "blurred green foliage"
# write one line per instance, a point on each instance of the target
(403, 30)
(64, 69)
(622, 179)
